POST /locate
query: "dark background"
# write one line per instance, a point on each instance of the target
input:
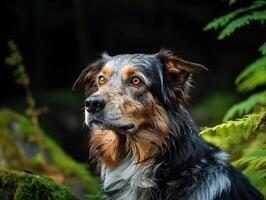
(59, 38)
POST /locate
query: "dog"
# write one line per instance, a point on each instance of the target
(144, 142)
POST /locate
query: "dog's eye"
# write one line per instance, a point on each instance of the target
(101, 80)
(136, 81)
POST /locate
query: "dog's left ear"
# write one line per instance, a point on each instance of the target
(178, 74)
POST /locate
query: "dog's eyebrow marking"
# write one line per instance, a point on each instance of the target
(107, 71)
(128, 70)
(131, 70)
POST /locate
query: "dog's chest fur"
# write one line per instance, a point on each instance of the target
(133, 181)
(127, 181)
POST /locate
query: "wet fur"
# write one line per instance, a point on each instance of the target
(165, 158)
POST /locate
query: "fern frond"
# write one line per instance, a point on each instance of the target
(255, 153)
(257, 180)
(245, 140)
(262, 49)
(253, 161)
(252, 76)
(223, 20)
(231, 2)
(242, 21)
(256, 162)
(246, 106)
(258, 78)
(232, 132)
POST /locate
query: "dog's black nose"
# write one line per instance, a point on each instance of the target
(94, 104)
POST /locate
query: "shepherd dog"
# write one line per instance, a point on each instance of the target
(143, 141)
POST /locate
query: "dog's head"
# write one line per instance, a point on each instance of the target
(129, 95)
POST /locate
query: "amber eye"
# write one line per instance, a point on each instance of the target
(101, 80)
(136, 81)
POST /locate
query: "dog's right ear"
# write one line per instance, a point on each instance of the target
(86, 80)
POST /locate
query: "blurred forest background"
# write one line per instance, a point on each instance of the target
(57, 39)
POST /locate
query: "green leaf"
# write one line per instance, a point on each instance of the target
(252, 76)
(231, 132)
(223, 20)
(242, 21)
(262, 48)
(231, 2)
(246, 106)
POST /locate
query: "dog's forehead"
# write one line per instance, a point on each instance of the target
(128, 63)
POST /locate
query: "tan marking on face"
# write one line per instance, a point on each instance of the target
(107, 71)
(158, 119)
(127, 71)
(151, 114)
(131, 107)
(149, 140)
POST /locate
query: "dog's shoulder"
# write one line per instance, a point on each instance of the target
(206, 178)
(241, 188)
(210, 178)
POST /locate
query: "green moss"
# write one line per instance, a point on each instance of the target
(20, 186)
(68, 165)
(26, 146)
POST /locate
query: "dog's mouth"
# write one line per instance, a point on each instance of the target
(118, 127)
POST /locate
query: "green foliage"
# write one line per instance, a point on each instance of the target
(238, 18)
(231, 2)
(253, 76)
(24, 145)
(224, 20)
(20, 185)
(254, 103)
(245, 138)
(242, 21)
(262, 49)
(231, 132)
(15, 61)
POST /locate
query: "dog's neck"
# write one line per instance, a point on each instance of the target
(127, 162)
(129, 180)
(113, 148)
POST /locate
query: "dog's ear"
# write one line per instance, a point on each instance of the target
(178, 74)
(86, 80)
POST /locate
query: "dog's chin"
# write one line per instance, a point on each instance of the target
(125, 128)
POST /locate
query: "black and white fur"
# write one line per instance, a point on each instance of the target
(189, 168)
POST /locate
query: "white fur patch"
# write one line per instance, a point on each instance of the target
(221, 157)
(212, 187)
(131, 180)
(86, 117)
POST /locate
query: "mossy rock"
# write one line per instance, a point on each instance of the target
(20, 186)
(24, 146)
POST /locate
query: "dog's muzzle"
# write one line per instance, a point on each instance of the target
(97, 119)
(94, 104)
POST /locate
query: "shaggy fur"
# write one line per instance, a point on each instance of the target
(144, 142)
